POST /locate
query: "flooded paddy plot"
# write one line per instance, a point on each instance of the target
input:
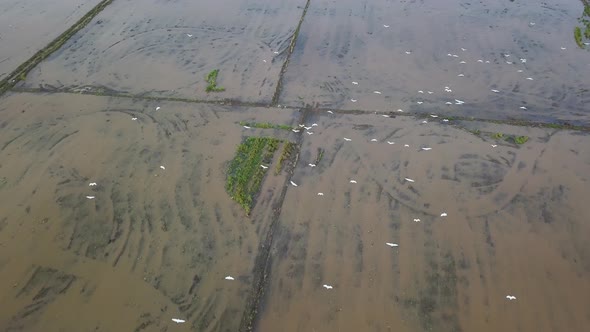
(493, 60)
(27, 26)
(163, 48)
(114, 214)
(428, 227)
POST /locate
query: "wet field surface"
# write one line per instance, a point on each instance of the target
(390, 214)
(22, 33)
(162, 48)
(399, 48)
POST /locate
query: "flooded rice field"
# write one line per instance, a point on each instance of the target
(27, 26)
(166, 48)
(355, 166)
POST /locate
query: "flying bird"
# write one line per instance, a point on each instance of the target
(312, 165)
(523, 107)
(529, 78)
(390, 143)
(511, 297)
(189, 35)
(392, 244)
(355, 83)
(157, 108)
(460, 75)
(327, 286)
(320, 194)
(377, 92)
(294, 184)
(92, 184)
(353, 100)
(462, 62)
(374, 140)
(90, 197)
(444, 214)
(385, 26)
(426, 149)
(133, 119)
(264, 167)
(416, 220)
(408, 179)
(420, 91)
(247, 127)
(162, 167)
(494, 145)
(295, 130)
(352, 181)
(229, 278)
(178, 321)
(496, 91)
(309, 132)
(347, 139)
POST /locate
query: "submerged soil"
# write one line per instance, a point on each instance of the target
(155, 244)
(114, 214)
(27, 26)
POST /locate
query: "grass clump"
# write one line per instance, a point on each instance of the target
(578, 36)
(212, 82)
(319, 156)
(520, 139)
(265, 125)
(498, 136)
(585, 20)
(245, 174)
(288, 149)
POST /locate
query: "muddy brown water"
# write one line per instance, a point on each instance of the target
(347, 41)
(27, 26)
(153, 244)
(167, 48)
(157, 244)
(146, 49)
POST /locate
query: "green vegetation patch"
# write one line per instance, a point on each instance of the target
(498, 135)
(212, 82)
(265, 125)
(289, 149)
(585, 21)
(511, 138)
(519, 139)
(319, 156)
(245, 173)
(578, 36)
